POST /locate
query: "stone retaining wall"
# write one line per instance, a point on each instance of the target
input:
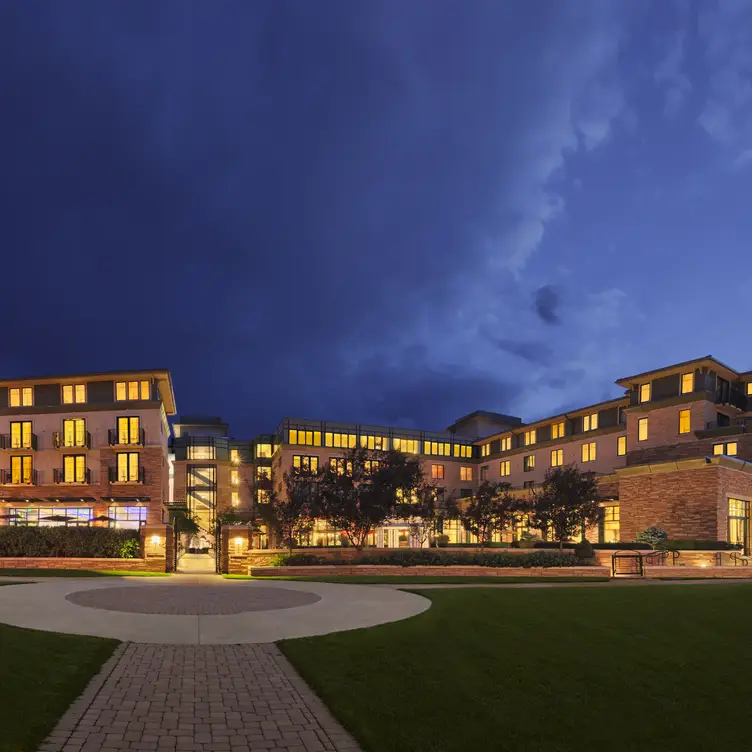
(426, 571)
(686, 558)
(699, 572)
(151, 564)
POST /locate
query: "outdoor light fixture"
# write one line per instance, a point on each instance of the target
(238, 541)
(155, 539)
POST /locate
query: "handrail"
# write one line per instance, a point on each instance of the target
(736, 557)
(661, 555)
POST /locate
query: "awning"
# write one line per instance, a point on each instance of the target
(126, 498)
(22, 500)
(72, 499)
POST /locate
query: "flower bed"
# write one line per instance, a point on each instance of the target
(65, 542)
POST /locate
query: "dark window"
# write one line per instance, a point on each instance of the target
(484, 472)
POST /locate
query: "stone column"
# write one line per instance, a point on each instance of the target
(157, 543)
(236, 540)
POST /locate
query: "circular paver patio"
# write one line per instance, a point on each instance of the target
(202, 611)
(192, 600)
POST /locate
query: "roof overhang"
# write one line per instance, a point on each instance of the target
(707, 362)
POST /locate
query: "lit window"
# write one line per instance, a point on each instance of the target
(466, 473)
(557, 457)
(687, 383)
(305, 464)
(74, 432)
(305, 438)
(719, 448)
(437, 472)
(202, 452)
(484, 472)
(505, 468)
(263, 450)
(21, 470)
(263, 472)
(728, 449)
(462, 450)
(129, 430)
(588, 452)
(506, 444)
(377, 443)
(20, 434)
(590, 422)
(642, 429)
(74, 393)
(530, 437)
(611, 524)
(340, 465)
(731, 449)
(644, 392)
(74, 468)
(235, 498)
(234, 477)
(23, 397)
(371, 466)
(749, 389)
(235, 456)
(132, 390)
(263, 495)
(528, 462)
(621, 445)
(346, 441)
(485, 450)
(684, 421)
(127, 467)
(437, 447)
(557, 430)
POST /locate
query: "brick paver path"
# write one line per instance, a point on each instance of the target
(189, 599)
(213, 698)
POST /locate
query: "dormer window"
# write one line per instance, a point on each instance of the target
(23, 397)
(590, 422)
(557, 430)
(530, 437)
(74, 394)
(688, 383)
(644, 393)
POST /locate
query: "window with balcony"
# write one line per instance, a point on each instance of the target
(463, 450)
(234, 477)
(684, 421)
(644, 392)
(557, 457)
(485, 450)
(264, 450)
(305, 464)
(411, 446)
(74, 468)
(299, 437)
(484, 472)
(22, 469)
(729, 448)
(687, 383)
(466, 473)
(505, 444)
(74, 433)
(642, 429)
(505, 468)
(74, 394)
(528, 463)
(129, 430)
(437, 472)
(127, 467)
(530, 437)
(621, 446)
(20, 434)
(21, 397)
(590, 422)
(126, 391)
(557, 430)
(588, 452)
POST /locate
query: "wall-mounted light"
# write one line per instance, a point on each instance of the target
(156, 540)
(238, 542)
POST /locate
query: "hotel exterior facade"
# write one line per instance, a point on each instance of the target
(673, 451)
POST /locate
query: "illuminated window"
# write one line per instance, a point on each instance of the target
(74, 468)
(466, 473)
(23, 397)
(263, 473)
(132, 390)
(202, 452)
(528, 462)
(127, 467)
(485, 450)
(305, 438)
(263, 450)
(21, 469)
(377, 443)
(588, 451)
(129, 430)
(437, 447)
(645, 392)
(590, 422)
(505, 468)
(462, 450)
(235, 456)
(687, 383)
(729, 449)
(621, 445)
(202, 476)
(234, 477)
(74, 432)
(642, 429)
(610, 524)
(234, 498)
(749, 389)
(506, 444)
(340, 465)
(684, 421)
(343, 440)
(371, 466)
(530, 437)
(437, 472)
(557, 430)
(305, 464)
(557, 457)
(20, 434)
(129, 518)
(74, 393)
(263, 495)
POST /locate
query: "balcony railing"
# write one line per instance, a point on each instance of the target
(742, 424)
(730, 396)
(116, 438)
(8, 441)
(60, 441)
(21, 479)
(116, 476)
(60, 476)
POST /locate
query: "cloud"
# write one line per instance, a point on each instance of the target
(533, 352)
(545, 304)
(669, 74)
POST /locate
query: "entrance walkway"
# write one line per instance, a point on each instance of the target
(205, 699)
(197, 564)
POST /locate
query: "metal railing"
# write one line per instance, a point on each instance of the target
(125, 477)
(118, 438)
(59, 476)
(60, 441)
(8, 441)
(21, 479)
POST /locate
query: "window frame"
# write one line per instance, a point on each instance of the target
(74, 394)
(643, 388)
(129, 456)
(19, 460)
(505, 468)
(685, 413)
(437, 471)
(621, 441)
(683, 376)
(307, 464)
(505, 444)
(530, 437)
(640, 423)
(75, 460)
(22, 392)
(557, 457)
(590, 422)
(528, 463)
(589, 451)
(21, 434)
(557, 430)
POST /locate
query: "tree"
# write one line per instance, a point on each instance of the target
(360, 491)
(566, 503)
(490, 510)
(426, 510)
(293, 516)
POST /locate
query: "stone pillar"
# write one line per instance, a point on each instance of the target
(157, 543)
(236, 540)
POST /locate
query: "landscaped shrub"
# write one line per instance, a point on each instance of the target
(584, 550)
(528, 539)
(442, 541)
(83, 542)
(436, 557)
(652, 535)
(697, 545)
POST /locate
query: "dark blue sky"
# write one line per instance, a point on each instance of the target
(383, 211)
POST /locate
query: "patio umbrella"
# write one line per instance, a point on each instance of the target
(103, 518)
(9, 516)
(59, 518)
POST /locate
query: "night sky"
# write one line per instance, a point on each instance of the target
(392, 211)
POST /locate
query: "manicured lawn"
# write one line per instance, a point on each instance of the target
(566, 670)
(394, 580)
(42, 673)
(77, 573)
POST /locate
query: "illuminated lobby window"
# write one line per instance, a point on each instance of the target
(611, 524)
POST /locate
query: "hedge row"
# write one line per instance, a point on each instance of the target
(69, 542)
(599, 546)
(696, 545)
(427, 557)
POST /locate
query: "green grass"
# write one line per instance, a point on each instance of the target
(570, 669)
(435, 580)
(42, 674)
(78, 573)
